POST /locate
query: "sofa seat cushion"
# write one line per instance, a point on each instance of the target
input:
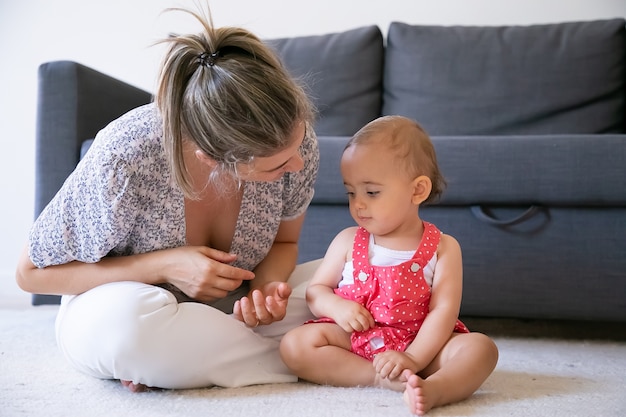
(501, 80)
(548, 170)
(343, 73)
(563, 263)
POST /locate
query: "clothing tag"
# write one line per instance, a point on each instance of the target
(377, 342)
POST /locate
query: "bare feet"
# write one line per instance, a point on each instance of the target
(395, 384)
(416, 395)
(132, 387)
(392, 384)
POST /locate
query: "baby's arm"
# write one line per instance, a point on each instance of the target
(320, 294)
(445, 303)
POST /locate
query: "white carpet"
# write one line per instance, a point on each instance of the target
(534, 377)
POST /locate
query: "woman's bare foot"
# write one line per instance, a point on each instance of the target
(416, 395)
(134, 387)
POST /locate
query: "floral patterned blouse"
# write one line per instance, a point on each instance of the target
(121, 200)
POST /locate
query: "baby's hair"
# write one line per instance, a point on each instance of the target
(408, 141)
(228, 92)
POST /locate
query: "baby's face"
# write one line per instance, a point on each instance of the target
(380, 193)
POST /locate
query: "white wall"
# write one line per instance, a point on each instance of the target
(114, 36)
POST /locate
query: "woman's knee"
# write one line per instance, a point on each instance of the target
(101, 327)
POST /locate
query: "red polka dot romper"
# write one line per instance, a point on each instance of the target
(398, 296)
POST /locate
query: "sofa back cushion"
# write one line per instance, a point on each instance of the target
(516, 170)
(343, 73)
(539, 79)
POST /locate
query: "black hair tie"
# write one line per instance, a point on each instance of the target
(208, 59)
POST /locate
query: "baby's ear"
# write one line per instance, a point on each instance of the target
(422, 186)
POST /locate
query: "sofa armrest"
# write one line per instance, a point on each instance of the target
(74, 102)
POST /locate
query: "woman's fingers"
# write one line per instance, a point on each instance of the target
(247, 312)
(258, 308)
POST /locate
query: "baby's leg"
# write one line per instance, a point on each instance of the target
(320, 353)
(140, 334)
(455, 374)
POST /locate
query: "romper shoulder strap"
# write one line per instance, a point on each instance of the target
(428, 245)
(360, 251)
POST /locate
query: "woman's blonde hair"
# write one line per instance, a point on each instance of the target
(229, 93)
(413, 150)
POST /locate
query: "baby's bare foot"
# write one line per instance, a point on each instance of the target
(417, 395)
(134, 387)
(395, 384)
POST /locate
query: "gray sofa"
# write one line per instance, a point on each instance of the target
(529, 123)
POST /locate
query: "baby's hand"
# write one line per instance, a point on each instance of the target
(352, 316)
(391, 363)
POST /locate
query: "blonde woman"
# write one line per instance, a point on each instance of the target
(174, 239)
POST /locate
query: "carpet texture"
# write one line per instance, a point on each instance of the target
(534, 377)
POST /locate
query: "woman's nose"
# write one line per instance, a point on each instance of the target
(296, 163)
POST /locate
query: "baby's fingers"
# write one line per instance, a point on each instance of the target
(395, 372)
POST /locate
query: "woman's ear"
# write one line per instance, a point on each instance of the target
(205, 159)
(422, 186)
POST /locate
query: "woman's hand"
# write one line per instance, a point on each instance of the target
(263, 306)
(203, 273)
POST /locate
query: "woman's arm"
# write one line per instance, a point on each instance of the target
(267, 300)
(282, 257)
(200, 272)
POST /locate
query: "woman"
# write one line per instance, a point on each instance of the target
(184, 211)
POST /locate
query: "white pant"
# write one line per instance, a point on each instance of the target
(140, 333)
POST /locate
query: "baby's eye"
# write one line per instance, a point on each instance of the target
(373, 193)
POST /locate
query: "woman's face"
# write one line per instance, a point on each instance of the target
(272, 168)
